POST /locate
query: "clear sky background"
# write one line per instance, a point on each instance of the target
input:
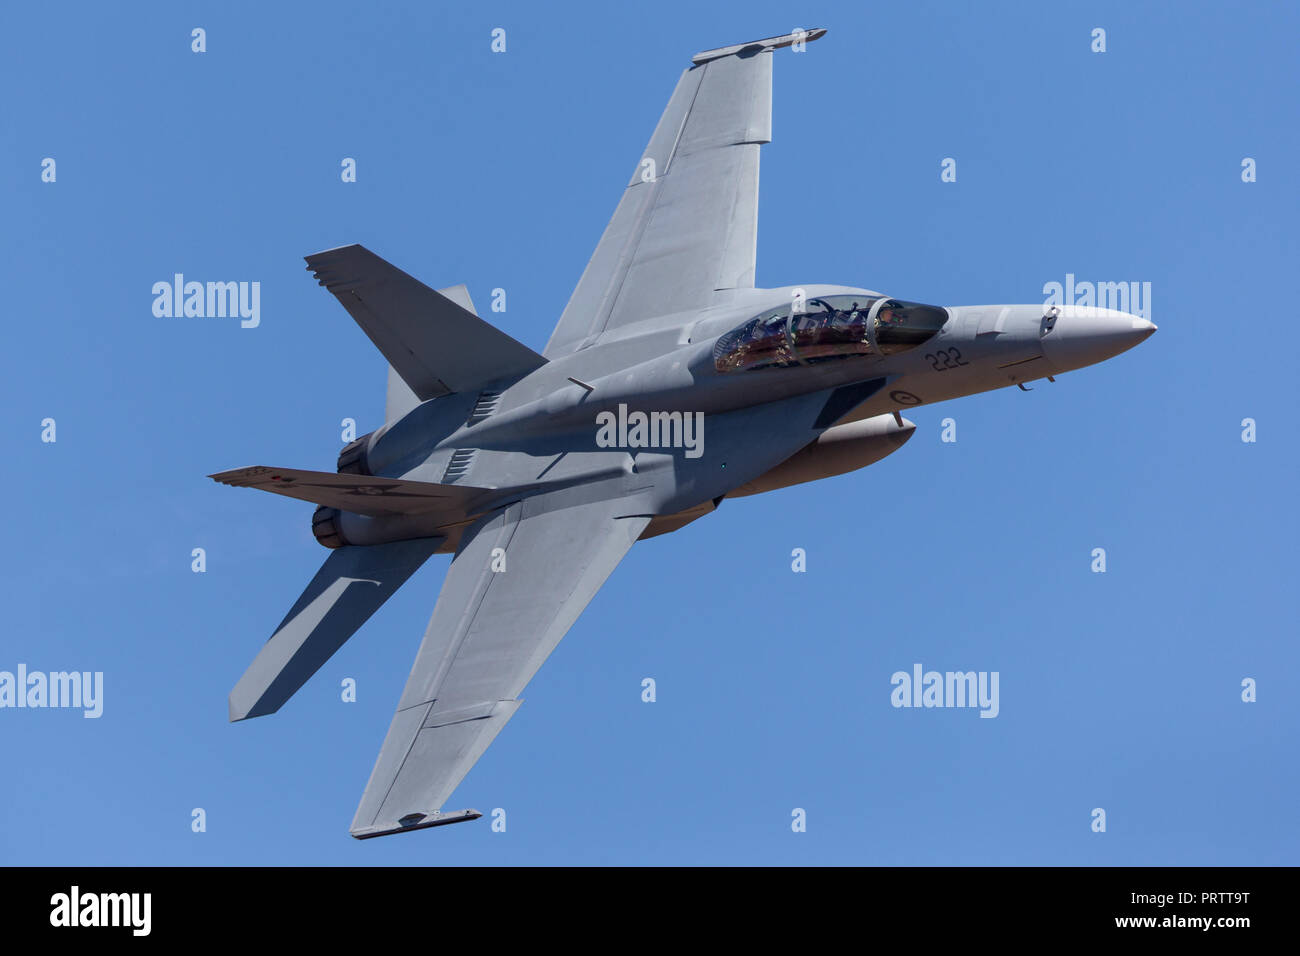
(1119, 690)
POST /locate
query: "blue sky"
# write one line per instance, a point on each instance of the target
(1119, 690)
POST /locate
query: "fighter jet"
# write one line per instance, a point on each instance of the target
(670, 384)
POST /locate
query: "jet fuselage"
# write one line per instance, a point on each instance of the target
(555, 412)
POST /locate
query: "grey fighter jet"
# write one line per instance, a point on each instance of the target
(670, 384)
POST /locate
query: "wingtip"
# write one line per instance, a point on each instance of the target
(415, 821)
(757, 46)
(228, 476)
(239, 714)
(241, 707)
(248, 475)
(324, 252)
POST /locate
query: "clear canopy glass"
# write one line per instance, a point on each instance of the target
(828, 328)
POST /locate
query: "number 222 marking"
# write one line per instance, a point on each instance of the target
(945, 359)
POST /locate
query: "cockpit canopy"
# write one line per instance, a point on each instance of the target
(827, 328)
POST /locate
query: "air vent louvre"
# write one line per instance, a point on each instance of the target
(485, 406)
(459, 465)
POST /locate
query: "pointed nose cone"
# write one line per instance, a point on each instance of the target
(1085, 336)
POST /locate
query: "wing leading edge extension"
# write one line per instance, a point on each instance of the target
(490, 632)
(687, 224)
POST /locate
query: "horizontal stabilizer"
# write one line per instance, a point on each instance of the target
(360, 494)
(351, 585)
(435, 345)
